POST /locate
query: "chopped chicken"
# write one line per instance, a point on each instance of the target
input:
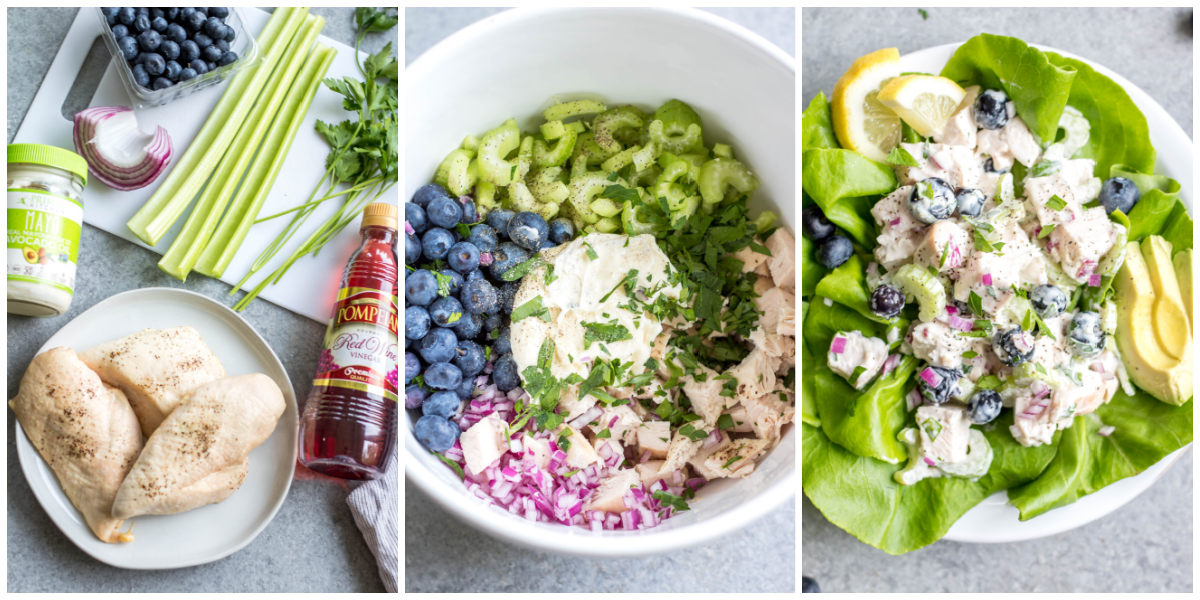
(783, 259)
(654, 436)
(681, 449)
(706, 450)
(736, 458)
(755, 375)
(609, 497)
(705, 396)
(767, 414)
(484, 443)
(648, 471)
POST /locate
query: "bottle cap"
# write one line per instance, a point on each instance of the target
(381, 214)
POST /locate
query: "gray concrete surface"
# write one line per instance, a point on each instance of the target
(1147, 544)
(443, 555)
(312, 544)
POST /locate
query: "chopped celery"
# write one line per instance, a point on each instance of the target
(493, 148)
(644, 177)
(524, 158)
(718, 174)
(558, 112)
(764, 221)
(470, 143)
(689, 139)
(524, 201)
(607, 123)
(462, 179)
(644, 158)
(722, 151)
(621, 160)
(577, 126)
(261, 176)
(485, 197)
(586, 147)
(459, 159)
(547, 186)
(585, 187)
(922, 285)
(608, 225)
(193, 239)
(553, 130)
(160, 212)
(667, 188)
(544, 156)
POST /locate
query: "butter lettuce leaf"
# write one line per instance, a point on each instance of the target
(811, 271)
(1158, 213)
(867, 422)
(817, 131)
(1039, 87)
(846, 185)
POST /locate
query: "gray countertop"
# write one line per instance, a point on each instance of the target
(443, 555)
(312, 544)
(1145, 545)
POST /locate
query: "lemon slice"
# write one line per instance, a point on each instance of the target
(861, 123)
(925, 102)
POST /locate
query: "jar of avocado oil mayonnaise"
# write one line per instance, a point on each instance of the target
(45, 218)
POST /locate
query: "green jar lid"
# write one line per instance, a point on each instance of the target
(51, 156)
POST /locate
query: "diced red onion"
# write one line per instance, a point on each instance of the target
(408, 228)
(587, 417)
(645, 457)
(929, 461)
(961, 324)
(485, 258)
(986, 279)
(892, 361)
(1094, 280)
(714, 438)
(931, 377)
(914, 399)
(951, 309)
(894, 222)
(838, 346)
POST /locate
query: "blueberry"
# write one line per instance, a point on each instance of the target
(436, 433)
(195, 20)
(476, 274)
(456, 280)
(932, 200)
(469, 326)
(886, 301)
(199, 66)
(502, 345)
(161, 83)
(142, 10)
(562, 230)
(990, 109)
(436, 243)
(984, 407)
(171, 13)
(158, 24)
(1120, 194)
(438, 345)
(420, 288)
(141, 23)
(446, 311)
(1085, 335)
(190, 73)
(483, 236)
(212, 66)
(834, 250)
(211, 54)
(470, 215)
(816, 227)
(508, 292)
(140, 76)
(188, 51)
(169, 50)
(1013, 346)
(499, 218)
(202, 42)
(467, 388)
(120, 31)
(479, 296)
(528, 230)
(546, 245)
(230, 34)
(442, 404)
(214, 26)
(227, 58)
(128, 47)
(416, 322)
(414, 396)
(222, 44)
(220, 12)
(110, 14)
(185, 13)
(173, 70)
(444, 212)
(412, 367)
(428, 193)
(469, 358)
(443, 376)
(970, 201)
(1048, 300)
(810, 586)
(947, 383)
(463, 257)
(504, 373)
(493, 321)
(506, 256)
(126, 15)
(155, 64)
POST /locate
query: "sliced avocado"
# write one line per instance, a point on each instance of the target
(1149, 366)
(1170, 318)
(1183, 275)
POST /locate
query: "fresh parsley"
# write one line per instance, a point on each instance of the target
(591, 252)
(1055, 203)
(533, 308)
(603, 332)
(900, 156)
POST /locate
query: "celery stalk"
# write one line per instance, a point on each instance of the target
(191, 242)
(261, 176)
(156, 217)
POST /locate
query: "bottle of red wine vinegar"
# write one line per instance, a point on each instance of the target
(349, 422)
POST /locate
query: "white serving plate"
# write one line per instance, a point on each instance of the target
(211, 532)
(994, 520)
(511, 65)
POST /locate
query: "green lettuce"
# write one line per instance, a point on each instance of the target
(808, 388)
(1039, 87)
(867, 422)
(1161, 214)
(1145, 432)
(847, 285)
(817, 130)
(846, 185)
(811, 271)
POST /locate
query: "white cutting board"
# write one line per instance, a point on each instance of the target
(311, 284)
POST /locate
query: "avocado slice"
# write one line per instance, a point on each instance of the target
(1183, 275)
(1170, 318)
(1150, 367)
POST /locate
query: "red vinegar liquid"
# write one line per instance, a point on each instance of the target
(349, 422)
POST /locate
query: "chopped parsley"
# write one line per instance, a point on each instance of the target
(604, 434)
(988, 382)
(604, 332)
(692, 433)
(591, 252)
(463, 230)
(725, 422)
(1047, 230)
(620, 192)
(524, 268)
(730, 462)
(533, 308)
(900, 156)
(1055, 203)
(975, 303)
(452, 464)
(443, 282)
(670, 500)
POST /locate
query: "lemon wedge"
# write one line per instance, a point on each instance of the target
(925, 102)
(861, 123)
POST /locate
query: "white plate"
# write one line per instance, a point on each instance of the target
(211, 532)
(994, 520)
(510, 65)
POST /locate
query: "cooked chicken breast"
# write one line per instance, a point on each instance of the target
(155, 368)
(199, 454)
(84, 430)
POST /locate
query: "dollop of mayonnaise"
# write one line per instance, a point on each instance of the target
(588, 290)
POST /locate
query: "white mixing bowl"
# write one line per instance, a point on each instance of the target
(511, 65)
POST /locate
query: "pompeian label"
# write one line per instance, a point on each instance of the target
(361, 350)
(43, 238)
